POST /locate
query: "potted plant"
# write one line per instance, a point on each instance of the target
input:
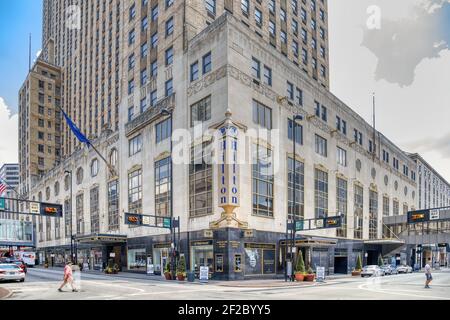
(181, 269)
(380, 261)
(310, 276)
(358, 268)
(300, 268)
(111, 267)
(167, 273)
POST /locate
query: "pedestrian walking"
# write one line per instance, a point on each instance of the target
(68, 277)
(428, 274)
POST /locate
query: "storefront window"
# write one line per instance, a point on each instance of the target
(202, 256)
(219, 262)
(137, 259)
(237, 263)
(259, 259)
(160, 257)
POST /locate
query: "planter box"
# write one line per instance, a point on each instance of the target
(310, 277)
(168, 275)
(180, 277)
(299, 277)
(356, 273)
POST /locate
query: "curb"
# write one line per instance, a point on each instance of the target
(5, 293)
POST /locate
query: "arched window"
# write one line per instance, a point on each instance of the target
(80, 175)
(47, 193)
(56, 187)
(40, 196)
(94, 168)
(113, 157)
(66, 182)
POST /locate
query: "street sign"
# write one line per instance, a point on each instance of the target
(167, 223)
(51, 210)
(2, 204)
(434, 214)
(299, 225)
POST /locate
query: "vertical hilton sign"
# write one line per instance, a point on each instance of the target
(228, 168)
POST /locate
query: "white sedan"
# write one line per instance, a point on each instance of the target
(404, 269)
(372, 270)
(11, 272)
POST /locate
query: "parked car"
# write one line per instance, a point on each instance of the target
(21, 264)
(404, 269)
(388, 269)
(11, 271)
(372, 270)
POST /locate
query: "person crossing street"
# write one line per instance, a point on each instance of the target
(68, 278)
(428, 274)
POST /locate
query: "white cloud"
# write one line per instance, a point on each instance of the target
(8, 134)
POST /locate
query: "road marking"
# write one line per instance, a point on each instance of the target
(113, 285)
(389, 291)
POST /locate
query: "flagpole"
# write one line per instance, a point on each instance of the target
(110, 167)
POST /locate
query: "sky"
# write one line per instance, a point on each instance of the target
(397, 49)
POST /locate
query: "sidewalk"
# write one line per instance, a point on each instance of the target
(4, 293)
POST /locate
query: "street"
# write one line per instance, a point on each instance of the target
(42, 284)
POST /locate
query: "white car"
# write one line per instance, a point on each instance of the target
(12, 272)
(404, 269)
(372, 270)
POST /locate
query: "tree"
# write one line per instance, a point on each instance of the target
(358, 263)
(300, 266)
(380, 260)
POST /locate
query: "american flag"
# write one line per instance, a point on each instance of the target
(3, 187)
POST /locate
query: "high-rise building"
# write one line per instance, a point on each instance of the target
(106, 48)
(39, 123)
(9, 175)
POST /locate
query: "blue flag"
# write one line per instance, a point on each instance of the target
(76, 131)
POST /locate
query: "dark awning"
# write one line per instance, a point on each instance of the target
(101, 238)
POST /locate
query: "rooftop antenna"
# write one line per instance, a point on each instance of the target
(374, 147)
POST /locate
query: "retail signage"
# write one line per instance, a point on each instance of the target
(51, 210)
(320, 271)
(418, 216)
(228, 167)
(204, 274)
(434, 214)
(35, 208)
(133, 219)
(332, 222)
(2, 204)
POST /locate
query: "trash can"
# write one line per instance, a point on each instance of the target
(190, 276)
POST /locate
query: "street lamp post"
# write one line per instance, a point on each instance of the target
(69, 172)
(294, 202)
(169, 113)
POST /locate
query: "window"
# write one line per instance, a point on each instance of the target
(321, 146)
(321, 193)
(295, 48)
(385, 156)
(131, 37)
(201, 111)
(130, 113)
(132, 12)
(256, 68)
(144, 50)
(211, 6)
(113, 205)
(341, 157)
(154, 69)
(135, 191)
(155, 13)
(163, 130)
(162, 187)
(94, 168)
(169, 27)
(169, 87)
(272, 28)
(143, 105)
(267, 76)
(154, 40)
(386, 206)
(358, 137)
(298, 131)
(113, 157)
(56, 187)
(79, 175)
(131, 87)
(283, 36)
(143, 77)
(169, 3)
(373, 215)
(341, 203)
(262, 115)
(294, 26)
(303, 15)
(153, 98)
(207, 63)
(169, 56)
(299, 209)
(304, 56)
(194, 71)
(67, 218)
(94, 210)
(282, 14)
(299, 96)
(290, 90)
(258, 17)
(358, 213)
(135, 145)
(245, 7)
(272, 6)
(79, 214)
(396, 163)
(200, 180)
(323, 71)
(144, 24)
(262, 181)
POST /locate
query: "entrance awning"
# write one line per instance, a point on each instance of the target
(306, 241)
(101, 238)
(384, 241)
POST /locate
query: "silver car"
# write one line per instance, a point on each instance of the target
(11, 272)
(372, 270)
